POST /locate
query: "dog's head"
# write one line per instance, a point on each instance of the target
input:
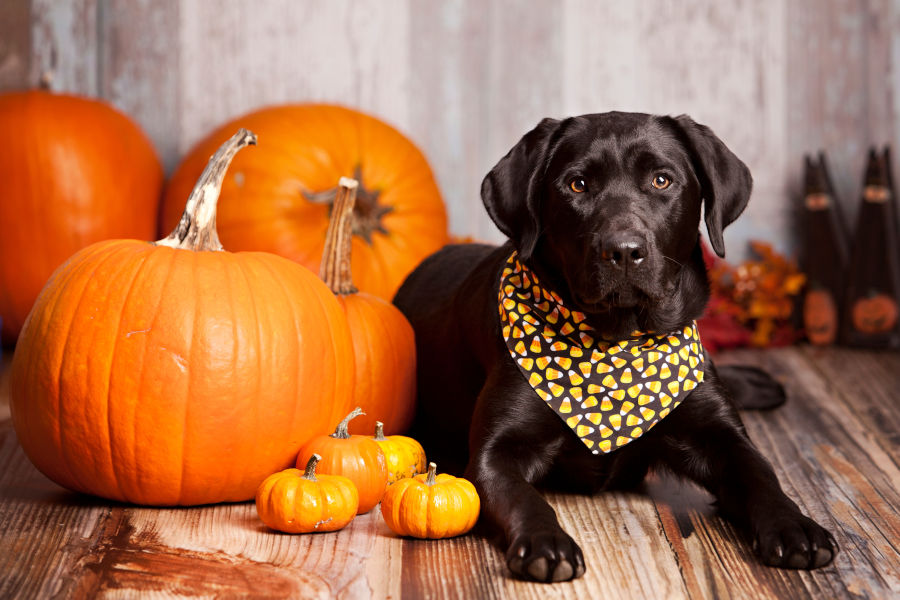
(607, 208)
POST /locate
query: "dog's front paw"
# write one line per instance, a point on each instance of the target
(794, 541)
(546, 556)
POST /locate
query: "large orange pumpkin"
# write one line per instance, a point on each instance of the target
(278, 198)
(73, 171)
(383, 340)
(175, 372)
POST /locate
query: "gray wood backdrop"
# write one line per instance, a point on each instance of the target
(466, 78)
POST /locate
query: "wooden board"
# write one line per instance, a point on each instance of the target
(834, 446)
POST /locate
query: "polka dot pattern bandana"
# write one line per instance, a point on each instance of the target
(608, 392)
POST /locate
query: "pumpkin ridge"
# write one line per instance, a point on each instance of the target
(137, 482)
(31, 365)
(334, 348)
(259, 338)
(109, 253)
(297, 335)
(113, 464)
(337, 410)
(194, 268)
(380, 331)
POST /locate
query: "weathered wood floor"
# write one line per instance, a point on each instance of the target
(836, 447)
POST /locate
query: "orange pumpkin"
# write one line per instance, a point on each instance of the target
(356, 457)
(295, 501)
(431, 506)
(175, 372)
(383, 340)
(875, 314)
(73, 171)
(405, 456)
(820, 317)
(278, 199)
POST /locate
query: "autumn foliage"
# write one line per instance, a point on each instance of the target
(752, 303)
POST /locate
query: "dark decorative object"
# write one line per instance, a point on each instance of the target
(825, 254)
(873, 282)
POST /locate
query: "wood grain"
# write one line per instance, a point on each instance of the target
(833, 446)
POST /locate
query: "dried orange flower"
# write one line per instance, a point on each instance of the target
(760, 294)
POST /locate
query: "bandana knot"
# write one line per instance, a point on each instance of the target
(609, 392)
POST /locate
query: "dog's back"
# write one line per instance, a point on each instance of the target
(442, 300)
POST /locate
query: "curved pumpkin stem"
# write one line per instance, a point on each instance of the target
(341, 432)
(197, 228)
(310, 472)
(379, 432)
(432, 473)
(335, 268)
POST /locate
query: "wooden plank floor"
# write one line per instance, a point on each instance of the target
(836, 447)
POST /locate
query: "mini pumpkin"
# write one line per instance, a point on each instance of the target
(357, 457)
(820, 317)
(431, 506)
(875, 314)
(405, 456)
(296, 501)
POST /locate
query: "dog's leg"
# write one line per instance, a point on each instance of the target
(512, 445)
(752, 388)
(705, 440)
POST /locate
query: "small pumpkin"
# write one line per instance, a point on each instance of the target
(820, 318)
(356, 457)
(383, 340)
(279, 198)
(175, 372)
(405, 456)
(296, 501)
(431, 506)
(875, 314)
(73, 171)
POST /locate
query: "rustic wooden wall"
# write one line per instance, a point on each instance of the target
(466, 78)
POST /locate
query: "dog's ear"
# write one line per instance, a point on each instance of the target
(511, 190)
(725, 181)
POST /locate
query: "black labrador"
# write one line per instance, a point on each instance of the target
(605, 209)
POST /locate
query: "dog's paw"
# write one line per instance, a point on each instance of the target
(546, 556)
(794, 542)
(752, 388)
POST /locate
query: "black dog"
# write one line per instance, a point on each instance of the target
(605, 210)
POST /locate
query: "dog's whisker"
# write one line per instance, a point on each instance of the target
(669, 258)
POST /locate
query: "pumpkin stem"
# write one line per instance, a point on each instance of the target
(197, 228)
(379, 432)
(311, 467)
(335, 268)
(340, 432)
(367, 214)
(432, 473)
(46, 82)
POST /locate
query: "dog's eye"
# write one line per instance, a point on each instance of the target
(661, 182)
(578, 185)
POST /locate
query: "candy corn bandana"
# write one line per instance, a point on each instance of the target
(608, 392)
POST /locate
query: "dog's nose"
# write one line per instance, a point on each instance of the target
(624, 250)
